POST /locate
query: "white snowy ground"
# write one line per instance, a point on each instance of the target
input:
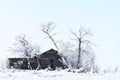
(11, 74)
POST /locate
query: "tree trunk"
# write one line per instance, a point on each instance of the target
(39, 66)
(79, 55)
(29, 66)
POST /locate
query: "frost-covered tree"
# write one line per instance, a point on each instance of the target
(24, 48)
(85, 56)
(4, 63)
(67, 50)
(88, 59)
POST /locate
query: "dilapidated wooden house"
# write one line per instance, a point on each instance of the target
(50, 59)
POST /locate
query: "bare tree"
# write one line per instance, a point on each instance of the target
(81, 39)
(47, 29)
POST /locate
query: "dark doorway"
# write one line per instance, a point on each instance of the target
(52, 64)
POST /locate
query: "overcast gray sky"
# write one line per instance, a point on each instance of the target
(101, 17)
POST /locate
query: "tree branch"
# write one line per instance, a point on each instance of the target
(47, 29)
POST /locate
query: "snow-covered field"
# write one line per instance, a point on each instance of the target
(11, 74)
